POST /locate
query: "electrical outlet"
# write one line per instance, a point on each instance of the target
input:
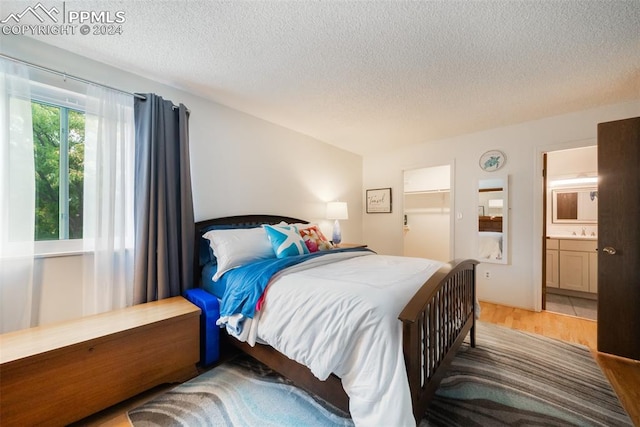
(487, 275)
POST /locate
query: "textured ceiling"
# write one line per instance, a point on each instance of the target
(369, 76)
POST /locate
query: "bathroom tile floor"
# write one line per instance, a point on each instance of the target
(574, 306)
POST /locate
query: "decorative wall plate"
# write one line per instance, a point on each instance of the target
(492, 160)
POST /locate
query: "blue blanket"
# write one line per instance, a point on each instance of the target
(246, 284)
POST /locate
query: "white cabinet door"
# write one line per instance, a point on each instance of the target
(574, 270)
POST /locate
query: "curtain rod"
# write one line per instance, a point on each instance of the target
(80, 79)
(69, 76)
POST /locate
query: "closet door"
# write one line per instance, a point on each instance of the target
(619, 238)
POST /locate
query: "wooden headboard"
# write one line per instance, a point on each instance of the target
(237, 221)
(490, 223)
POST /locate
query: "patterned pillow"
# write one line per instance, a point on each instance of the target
(314, 239)
(285, 240)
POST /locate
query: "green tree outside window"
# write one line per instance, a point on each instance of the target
(58, 136)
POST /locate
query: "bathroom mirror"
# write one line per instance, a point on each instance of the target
(575, 205)
(493, 217)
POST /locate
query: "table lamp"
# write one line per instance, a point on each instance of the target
(337, 211)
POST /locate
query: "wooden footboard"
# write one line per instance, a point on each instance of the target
(435, 323)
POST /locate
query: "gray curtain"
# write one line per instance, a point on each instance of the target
(164, 222)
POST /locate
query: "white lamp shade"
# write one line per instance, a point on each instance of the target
(337, 210)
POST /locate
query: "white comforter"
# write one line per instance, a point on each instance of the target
(342, 317)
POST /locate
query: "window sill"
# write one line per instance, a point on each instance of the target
(58, 248)
(59, 254)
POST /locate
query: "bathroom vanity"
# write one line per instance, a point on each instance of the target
(572, 263)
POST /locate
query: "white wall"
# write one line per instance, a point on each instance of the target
(517, 283)
(436, 178)
(239, 164)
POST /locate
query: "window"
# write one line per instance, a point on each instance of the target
(65, 141)
(58, 137)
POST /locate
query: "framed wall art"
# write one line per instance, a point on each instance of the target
(379, 200)
(492, 160)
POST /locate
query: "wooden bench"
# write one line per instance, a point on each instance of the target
(57, 374)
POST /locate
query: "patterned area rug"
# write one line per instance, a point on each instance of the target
(240, 393)
(516, 378)
(511, 378)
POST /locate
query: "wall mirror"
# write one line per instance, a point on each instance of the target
(575, 205)
(493, 218)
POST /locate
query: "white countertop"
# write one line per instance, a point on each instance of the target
(572, 237)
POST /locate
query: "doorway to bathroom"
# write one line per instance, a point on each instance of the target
(570, 232)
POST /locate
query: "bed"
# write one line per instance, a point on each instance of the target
(489, 245)
(490, 223)
(435, 316)
(490, 237)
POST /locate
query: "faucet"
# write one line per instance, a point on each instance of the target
(584, 232)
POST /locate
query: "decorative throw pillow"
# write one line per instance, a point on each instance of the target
(314, 239)
(285, 240)
(233, 248)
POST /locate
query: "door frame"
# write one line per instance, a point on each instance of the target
(539, 215)
(543, 238)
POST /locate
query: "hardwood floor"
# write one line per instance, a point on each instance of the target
(552, 325)
(623, 374)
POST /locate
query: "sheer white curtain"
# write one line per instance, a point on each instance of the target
(108, 230)
(17, 197)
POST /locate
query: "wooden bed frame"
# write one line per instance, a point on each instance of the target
(490, 223)
(435, 323)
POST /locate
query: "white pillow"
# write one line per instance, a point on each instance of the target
(236, 247)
